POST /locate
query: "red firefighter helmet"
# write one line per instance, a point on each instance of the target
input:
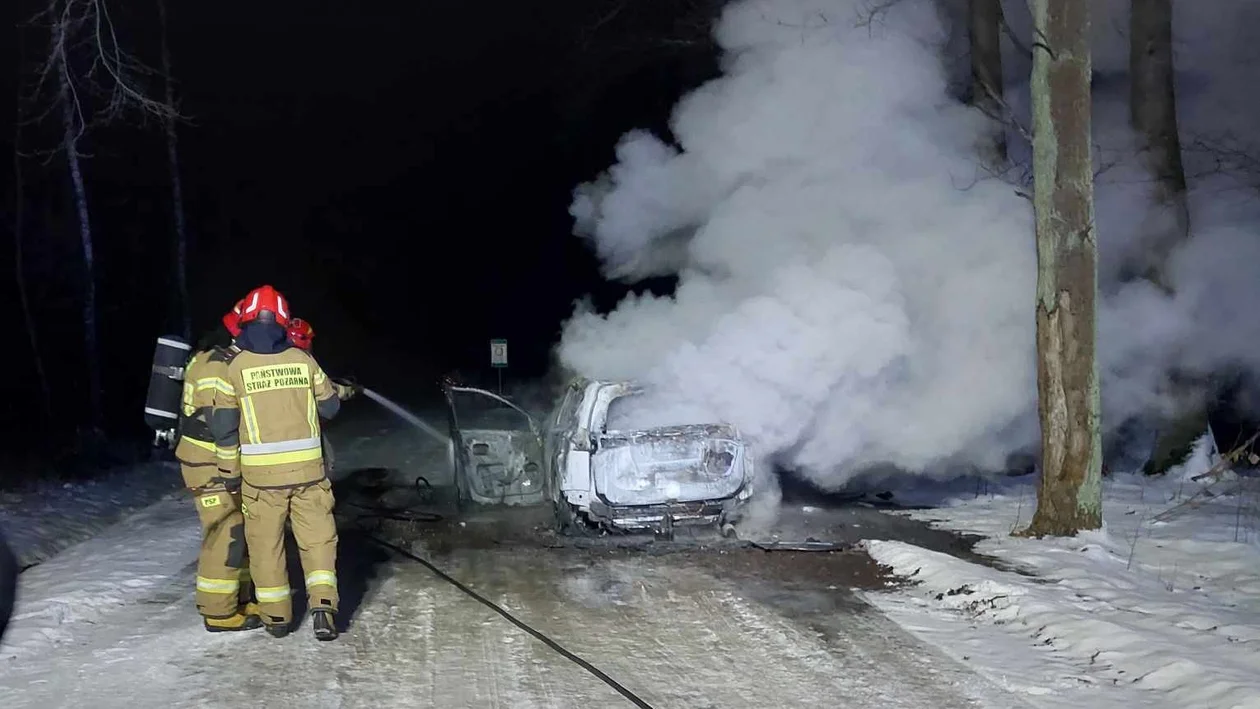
(265, 299)
(232, 319)
(301, 333)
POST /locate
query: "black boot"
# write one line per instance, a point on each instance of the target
(278, 630)
(323, 623)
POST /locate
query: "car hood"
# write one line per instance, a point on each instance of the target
(669, 464)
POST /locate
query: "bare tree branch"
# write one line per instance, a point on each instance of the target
(1024, 49)
(82, 33)
(1224, 154)
(874, 12)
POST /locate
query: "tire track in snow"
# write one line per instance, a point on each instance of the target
(499, 666)
(675, 635)
(680, 638)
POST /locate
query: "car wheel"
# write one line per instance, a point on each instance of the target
(568, 523)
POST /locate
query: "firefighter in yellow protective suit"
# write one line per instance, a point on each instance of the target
(302, 336)
(276, 396)
(223, 579)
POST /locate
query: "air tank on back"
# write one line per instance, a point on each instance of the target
(166, 386)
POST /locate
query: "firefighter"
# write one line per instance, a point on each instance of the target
(275, 396)
(302, 335)
(223, 579)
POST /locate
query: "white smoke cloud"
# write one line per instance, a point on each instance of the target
(851, 292)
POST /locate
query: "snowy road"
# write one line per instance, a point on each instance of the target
(675, 635)
(110, 622)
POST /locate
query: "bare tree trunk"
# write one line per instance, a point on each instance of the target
(177, 190)
(24, 298)
(1070, 496)
(19, 271)
(70, 141)
(1153, 114)
(984, 24)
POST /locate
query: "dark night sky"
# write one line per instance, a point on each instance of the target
(402, 171)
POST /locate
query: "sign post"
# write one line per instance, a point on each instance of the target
(499, 359)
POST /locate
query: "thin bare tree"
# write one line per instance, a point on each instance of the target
(81, 33)
(1069, 404)
(1153, 116)
(177, 189)
(19, 255)
(984, 29)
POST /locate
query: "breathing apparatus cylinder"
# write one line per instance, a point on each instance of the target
(166, 386)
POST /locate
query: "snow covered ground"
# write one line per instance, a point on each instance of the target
(110, 622)
(677, 636)
(1161, 608)
(131, 535)
(1157, 610)
(42, 520)
(130, 562)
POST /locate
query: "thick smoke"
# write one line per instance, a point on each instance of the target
(855, 290)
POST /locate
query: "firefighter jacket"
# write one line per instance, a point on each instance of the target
(276, 395)
(204, 378)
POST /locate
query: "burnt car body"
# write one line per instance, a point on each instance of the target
(627, 480)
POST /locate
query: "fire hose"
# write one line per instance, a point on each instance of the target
(406, 514)
(533, 632)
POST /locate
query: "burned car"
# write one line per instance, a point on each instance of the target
(621, 480)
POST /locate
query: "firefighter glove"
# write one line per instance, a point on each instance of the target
(347, 388)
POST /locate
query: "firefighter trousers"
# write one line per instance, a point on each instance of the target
(309, 510)
(223, 577)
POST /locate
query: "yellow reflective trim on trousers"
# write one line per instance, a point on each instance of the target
(312, 414)
(224, 586)
(203, 445)
(271, 594)
(225, 453)
(251, 420)
(261, 459)
(321, 578)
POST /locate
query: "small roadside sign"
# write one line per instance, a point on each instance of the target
(498, 353)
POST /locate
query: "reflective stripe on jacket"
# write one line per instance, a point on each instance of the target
(273, 410)
(201, 379)
(205, 379)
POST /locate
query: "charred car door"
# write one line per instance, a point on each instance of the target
(497, 449)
